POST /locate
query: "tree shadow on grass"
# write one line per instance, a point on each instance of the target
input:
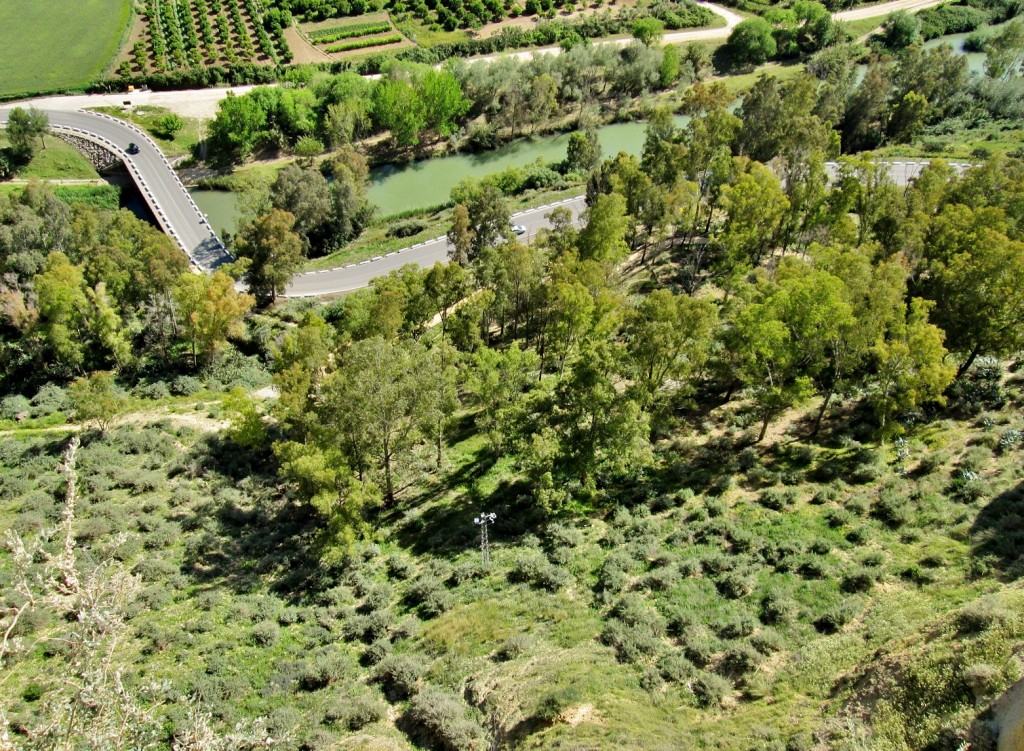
(997, 536)
(247, 536)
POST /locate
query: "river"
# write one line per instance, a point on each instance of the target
(395, 188)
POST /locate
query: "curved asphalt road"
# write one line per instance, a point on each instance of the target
(159, 184)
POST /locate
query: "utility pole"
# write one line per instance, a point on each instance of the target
(483, 521)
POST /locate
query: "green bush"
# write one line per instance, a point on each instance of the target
(441, 720)
(554, 702)
(513, 647)
(265, 633)
(982, 615)
(675, 668)
(778, 499)
(536, 570)
(356, 712)
(777, 608)
(407, 228)
(735, 585)
(739, 659)
(399, 675)
(710, 690)
(860, 580)
(835, 617)
(11, 407)
(701, 649)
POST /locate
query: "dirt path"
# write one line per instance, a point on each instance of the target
(139, 419)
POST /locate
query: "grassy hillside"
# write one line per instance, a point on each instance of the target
(826, 594)
(51, 44)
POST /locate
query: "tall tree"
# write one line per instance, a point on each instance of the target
(497, 382)
(24, 126)
(668, 337)
(211, 310)
(910, 366)
(442, 101)
(374, 405)
(275, 252)
(603, 237)
(304, 193)
(976, 279)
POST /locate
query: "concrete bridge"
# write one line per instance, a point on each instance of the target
(175, 211)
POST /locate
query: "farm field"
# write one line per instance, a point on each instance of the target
(178, 34)
(366, 33)
(52, 44)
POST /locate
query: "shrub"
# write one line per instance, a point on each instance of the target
(400, 567)
(735, 585)
(820, 546)
(355, 713)
(441, 719)
(701, 649)
(631, 642)
(538, 571)
(766, 642)
(13, 406)
(835, 617)
(156, 390)
(983, 679)
(982, 615)
(49, 400)
(186, 386)
(265, 633)
(407, 228)
(891, 509)
(860, 580)
(398, 675)
(738, 626)
(376, 652)
(377, 597)
(778, 499)
(739, 659)
(825, 495)
(322, 670)
(554, 702)
(838, 517)
(675, 668)
(513, 647)
(776, 608)
(710, 690)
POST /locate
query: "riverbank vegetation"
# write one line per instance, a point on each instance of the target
(746, 440)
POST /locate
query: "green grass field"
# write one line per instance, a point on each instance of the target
(54, 44)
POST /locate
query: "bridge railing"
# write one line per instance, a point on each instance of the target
(154, 204)
(148, 139)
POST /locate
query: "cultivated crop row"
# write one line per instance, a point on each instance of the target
(359, 44)
(196, 33)
(333, 34)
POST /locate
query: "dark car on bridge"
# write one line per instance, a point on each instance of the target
(133, 148)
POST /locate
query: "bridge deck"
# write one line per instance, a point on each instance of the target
(171, 204)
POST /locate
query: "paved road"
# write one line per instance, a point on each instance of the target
(159, 184)
(357, 275)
